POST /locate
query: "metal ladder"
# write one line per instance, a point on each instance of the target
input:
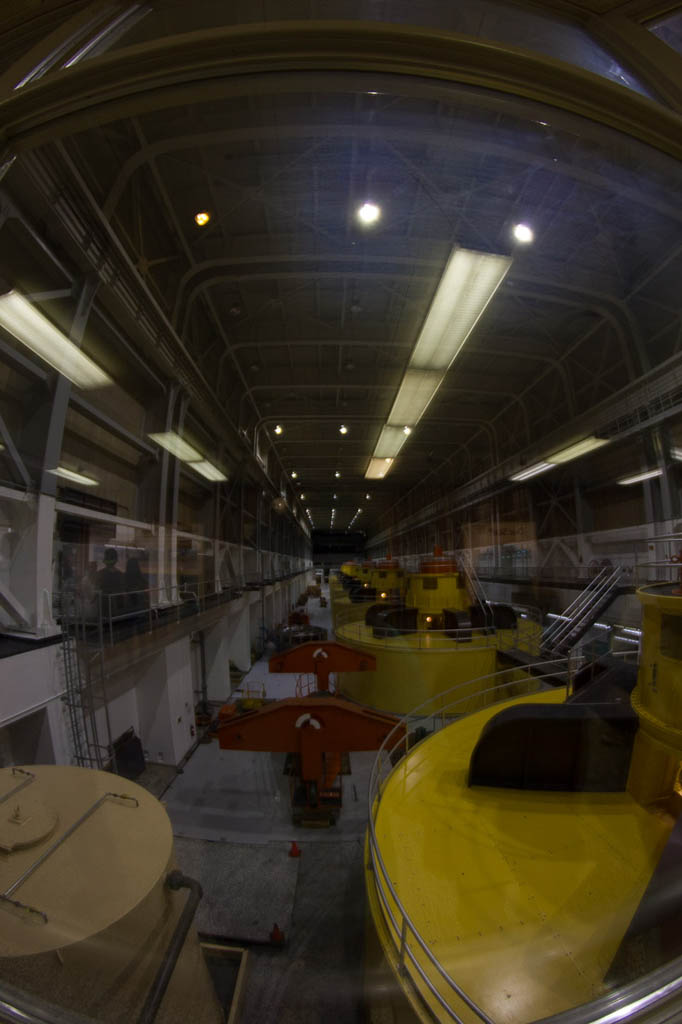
(85, 690)
(565, 631)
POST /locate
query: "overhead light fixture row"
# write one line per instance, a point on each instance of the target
(639, 477)
(537, 468)
(181, 449)
(469, 282)
(73, 477)
(573, 451)
(25, 323)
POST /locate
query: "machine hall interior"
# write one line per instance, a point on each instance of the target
(340, 511)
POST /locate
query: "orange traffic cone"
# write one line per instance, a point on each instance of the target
(295, 850)
(277, 936)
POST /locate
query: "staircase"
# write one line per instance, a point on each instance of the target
(474, 585)
(565, 632)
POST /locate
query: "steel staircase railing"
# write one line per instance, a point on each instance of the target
(582, 612)
(474, 584)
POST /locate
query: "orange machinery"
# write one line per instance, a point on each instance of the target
(317, 731)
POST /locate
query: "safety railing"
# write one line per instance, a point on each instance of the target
(116, 616)
(656, 996)
(524, 636)
(583, 610)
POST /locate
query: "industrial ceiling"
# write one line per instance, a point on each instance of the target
(284, 309)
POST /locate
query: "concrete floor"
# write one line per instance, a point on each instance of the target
(231, 816)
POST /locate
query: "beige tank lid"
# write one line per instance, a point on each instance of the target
(100, 872)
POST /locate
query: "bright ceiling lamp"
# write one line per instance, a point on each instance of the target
(369, 213)
(574, 451)
(468, 284)
(391, 440)
(177, 446)
(649, 475)
(343, 429)
(526, 474)
(377, 469)
(522, 233)
(414, 395)
(202, 218)
(209, 471)
(75, 478)
(36, 332)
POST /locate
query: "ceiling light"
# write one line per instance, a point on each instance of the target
(174, 444)
(302, 497)
(335, 497)
(209, 471)
(469, 281)
(382, 595)
(202, 218)
(377, 469)
(337, 474)
(676, 454)
(388, 460)
(391, 440)
(367, 497)
(526, 474)
(294, 475)
(522, 233)
(369, 213)
(407, 431)
(278, 429)
(343, 429)
(574, 451)
(75, 478)
(36, 332)
(649, 475)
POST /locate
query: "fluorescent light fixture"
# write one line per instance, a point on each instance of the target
(574, 451)
(208, 470)
(377, 469)
(676, 454)
(414, 395)
(174, 444)
(36, 332)
(469, 281)
(75, 478)
(526, 474)
(369, 213)
(649, 475)
(390, 442)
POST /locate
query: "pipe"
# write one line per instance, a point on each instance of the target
(175, 880)
(18, 1007)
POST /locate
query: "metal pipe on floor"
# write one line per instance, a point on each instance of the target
(175, 880)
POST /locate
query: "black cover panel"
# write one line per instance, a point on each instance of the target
(547, 747)
(374, 613)
(395, 621)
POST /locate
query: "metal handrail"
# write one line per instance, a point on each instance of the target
(575, 606)
(475, 637)
(571, 622)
